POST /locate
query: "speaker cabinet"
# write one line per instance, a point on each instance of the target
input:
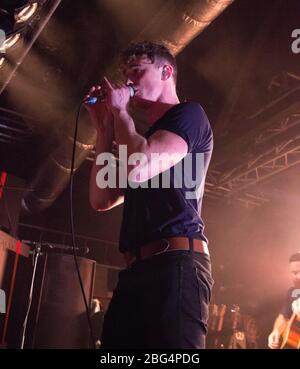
(58, 318)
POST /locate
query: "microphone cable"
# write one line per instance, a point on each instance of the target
(87, 309)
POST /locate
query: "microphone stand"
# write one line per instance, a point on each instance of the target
(36, 254)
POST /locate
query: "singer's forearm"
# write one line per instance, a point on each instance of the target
(102, 199)
(126, 134)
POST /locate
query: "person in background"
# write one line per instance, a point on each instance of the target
(291, 304)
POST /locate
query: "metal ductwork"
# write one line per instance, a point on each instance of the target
(179, 22)
(176, 24)
(53, 176)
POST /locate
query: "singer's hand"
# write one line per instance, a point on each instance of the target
(117, 96)
(100, 115)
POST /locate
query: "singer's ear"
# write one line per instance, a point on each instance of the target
(167, 72)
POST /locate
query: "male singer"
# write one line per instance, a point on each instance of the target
(162, 297)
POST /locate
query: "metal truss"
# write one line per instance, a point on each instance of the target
(281, 157)
(283, 140)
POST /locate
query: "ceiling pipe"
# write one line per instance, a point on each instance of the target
(179, 22)
(54, 175)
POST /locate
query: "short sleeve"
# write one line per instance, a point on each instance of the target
(189, 121)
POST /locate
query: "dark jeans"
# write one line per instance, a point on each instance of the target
(160, 302)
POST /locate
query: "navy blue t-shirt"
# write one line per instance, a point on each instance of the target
(160, 210)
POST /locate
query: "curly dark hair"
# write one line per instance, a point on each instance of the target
(157, 53)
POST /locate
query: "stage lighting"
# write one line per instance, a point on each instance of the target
(26, 12)
(1, 61)
(11, 40)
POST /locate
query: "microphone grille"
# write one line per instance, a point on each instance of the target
(131, 90)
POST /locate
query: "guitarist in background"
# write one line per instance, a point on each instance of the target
(291, 305)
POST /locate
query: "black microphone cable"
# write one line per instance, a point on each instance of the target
(87, 309)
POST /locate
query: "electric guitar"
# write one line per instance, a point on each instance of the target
(291, 335)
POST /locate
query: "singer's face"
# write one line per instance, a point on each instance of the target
(146, 78)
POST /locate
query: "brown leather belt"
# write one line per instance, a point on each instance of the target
(165, 245)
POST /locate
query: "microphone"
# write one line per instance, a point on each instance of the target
(93, 99)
